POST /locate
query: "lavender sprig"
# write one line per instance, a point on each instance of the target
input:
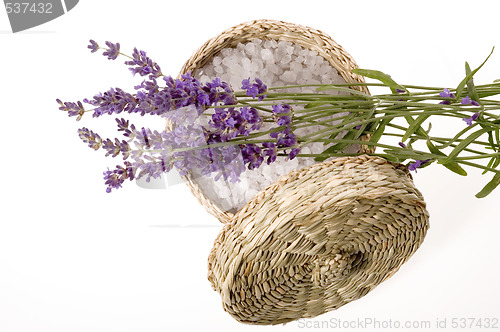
(112, 51)
(141, 64)
(219, 132)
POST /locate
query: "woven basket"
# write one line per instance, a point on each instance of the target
(317, 239)
(266, 29)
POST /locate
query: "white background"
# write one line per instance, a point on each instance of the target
(73, 258)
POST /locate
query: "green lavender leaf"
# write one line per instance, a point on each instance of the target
(451, 165)
(415, 126)
(490, 186)
(379, 131)
(468, 140)
(493, 163)
(380, 76)
(339, 147)
(467, 78)
(456, 137)
(471, 89)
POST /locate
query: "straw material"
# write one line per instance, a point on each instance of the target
(317, 239)
(266, 29)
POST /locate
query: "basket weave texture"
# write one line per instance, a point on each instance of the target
(317, 239)
(268, 29)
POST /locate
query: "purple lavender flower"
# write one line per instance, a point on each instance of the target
(446, 94)
(152, 166)
(226, 162)
(112, 51)
(400, 91)
(143, 65)
(467, 101)
(73, 109)
(250, 114)
(88, 136)
(112, 101)
(293, 153)
(115, 178)
(270, 151)
(401, 144)
(115, 148)
(93, 46)
(282, 114)
(472, 118)
(287, 140)
(418, 163)
(128, 130)
(254, 89)
(229, 123)
(281, 108)
(252, 155)
(184, 116)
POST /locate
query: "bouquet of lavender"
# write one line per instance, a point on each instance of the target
(221, 132)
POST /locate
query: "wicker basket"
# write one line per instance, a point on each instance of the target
(319, 237)
(266, 29)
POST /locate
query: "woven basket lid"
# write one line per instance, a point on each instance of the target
(317, 239)
(268, 29)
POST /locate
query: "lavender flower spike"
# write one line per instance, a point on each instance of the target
(88, 136)
(418, 163)
(472, 118)
(113, 51)
(114, 179)
(73, 109)
(143, 65)
(467, 101)
(93, 46)
(254, 89)
(446, 94)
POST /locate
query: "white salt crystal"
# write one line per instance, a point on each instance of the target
(226, 52)
(307, 75)
(250, 49)
(312, 81)
(216, 60)
(245, 62)
(259, 64)
(286, 59)
(313, 53)
(224, 192)
(267, 55)
(323, 69)
(288, 76)
(296, 67)
(219, 69)
(272, 68)
(237, 70)
(240, 47)
(270, 43)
